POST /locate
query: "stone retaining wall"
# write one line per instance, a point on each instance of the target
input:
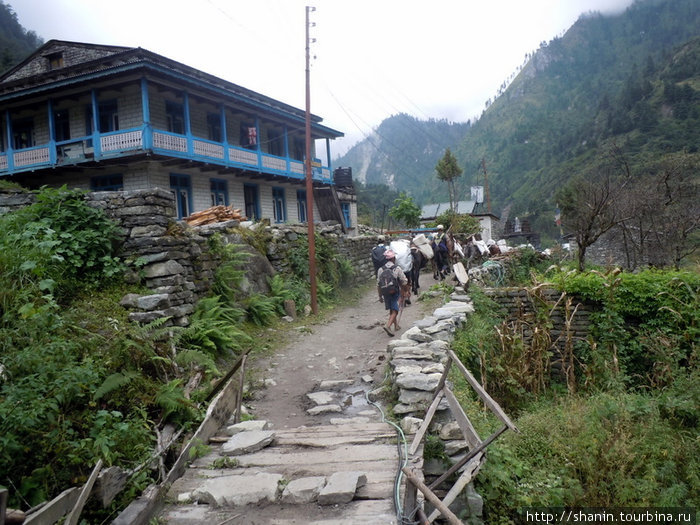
(417, 363)
(523, 304)
(174, 261)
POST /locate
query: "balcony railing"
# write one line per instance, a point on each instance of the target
(130, 141)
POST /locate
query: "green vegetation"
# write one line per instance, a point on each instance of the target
(622, 431)
(405, 211)
(447, 171)
(15, 41)
(601, 84)
(79, 381)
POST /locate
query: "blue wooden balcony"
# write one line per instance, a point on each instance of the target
(140, 140)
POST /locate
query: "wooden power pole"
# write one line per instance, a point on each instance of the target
(309, 180)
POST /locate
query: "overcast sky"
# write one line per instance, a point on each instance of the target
(374, 58)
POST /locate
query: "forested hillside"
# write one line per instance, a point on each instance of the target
(15, 41)
(632, 79)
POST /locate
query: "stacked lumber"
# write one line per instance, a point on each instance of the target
(214, 214)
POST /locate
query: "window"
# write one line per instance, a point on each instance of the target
(214, 127)
(55, 60)
(345, 208)
(23, 133)
(175, 115)
(182, 189)
(251, 201)
(298, 148)
(108, 117)
(275, 142)
(301, 205)
(61, 125)
(249, 135)
(219, 192)
(107, 183)
(279, 206)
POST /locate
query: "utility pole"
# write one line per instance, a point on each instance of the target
(309, 181)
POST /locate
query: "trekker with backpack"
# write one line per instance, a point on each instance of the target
(391, 282)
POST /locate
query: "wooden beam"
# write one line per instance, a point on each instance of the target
(426, 423)
(488, 400)
(432, 498)
(74, 515)
(465, 425)
(454, 468)
(459, 485)
(55, 509)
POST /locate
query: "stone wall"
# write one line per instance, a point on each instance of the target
(523, 304)
(356, 250)
(417, 363)
(174, 261)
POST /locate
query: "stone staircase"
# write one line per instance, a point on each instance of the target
(341, 471)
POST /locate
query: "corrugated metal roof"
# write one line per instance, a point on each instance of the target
(430, 211)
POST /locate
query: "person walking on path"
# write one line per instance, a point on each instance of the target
(391, 284)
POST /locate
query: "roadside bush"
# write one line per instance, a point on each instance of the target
(599, 451)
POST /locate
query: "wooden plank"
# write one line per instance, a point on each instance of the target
(465, 425)
(410, 499)
(488, 400)
(239, 394)
(426, 423)
(432, 498)
(74, 515)
(3, 505)
(454, 468)
(55, 509)
(140, 511)
(459, 485)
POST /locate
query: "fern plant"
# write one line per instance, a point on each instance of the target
(261, 310)
(279, 292)
(214, 328)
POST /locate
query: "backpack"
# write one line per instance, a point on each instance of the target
(378, 255)
(388, 283)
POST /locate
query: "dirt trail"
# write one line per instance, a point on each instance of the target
(350, 345)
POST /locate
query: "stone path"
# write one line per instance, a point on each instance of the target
(342, 471)
(322, 454)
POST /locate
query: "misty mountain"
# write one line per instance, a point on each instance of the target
(402, 151)
(16, 43)
(631, 79)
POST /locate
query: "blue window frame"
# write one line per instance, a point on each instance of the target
(279, 206)
(181, 187)
(345, 208)
(301, 205)
(251, 199)
(109, 117)
(219, 192)
(107, 183)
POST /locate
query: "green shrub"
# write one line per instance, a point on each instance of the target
(599, 451)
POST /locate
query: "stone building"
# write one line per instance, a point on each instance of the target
(111, 118)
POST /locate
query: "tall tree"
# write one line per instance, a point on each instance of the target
(405, 211)
(591, 203)
(448, 170)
